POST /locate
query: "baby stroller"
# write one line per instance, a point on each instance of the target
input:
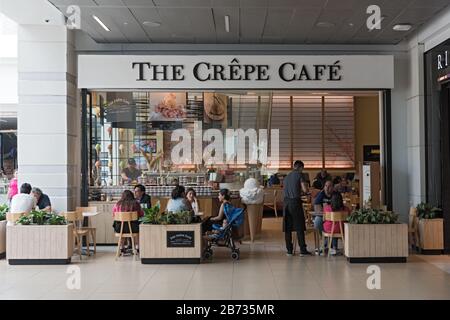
(226, 236)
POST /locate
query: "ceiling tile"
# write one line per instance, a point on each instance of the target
(225, 3)
(137, 3)
(219, 22)
(252, 22)
(277, 22)
(58, 3)
(182, 3)
(253, 3)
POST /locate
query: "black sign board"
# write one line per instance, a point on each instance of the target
(180, 239)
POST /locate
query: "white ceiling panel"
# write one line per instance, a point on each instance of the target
(251, 21)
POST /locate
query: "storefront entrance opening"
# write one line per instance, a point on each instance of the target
(342, 132)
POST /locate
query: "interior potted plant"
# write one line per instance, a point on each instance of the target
(373, 235)
(169, 237)
(40, 238)
(3, 210)
(431, 228)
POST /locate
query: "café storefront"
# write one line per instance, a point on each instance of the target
(437, 116)
(313, 108)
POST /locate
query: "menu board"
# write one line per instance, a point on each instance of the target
(120, 110)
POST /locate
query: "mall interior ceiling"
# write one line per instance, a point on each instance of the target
(251, 21)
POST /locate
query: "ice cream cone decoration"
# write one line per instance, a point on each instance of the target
(110, 131)
(110, 148)
(122, 164)
(121, 148)
(98, 148)
(110, 165)
(121, 132)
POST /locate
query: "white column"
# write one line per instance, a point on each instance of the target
(416, 126)
(48, 116)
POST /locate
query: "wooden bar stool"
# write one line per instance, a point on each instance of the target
(76, 218)
(14, 216)
(337, 218)
(126, 218)
(91, 230)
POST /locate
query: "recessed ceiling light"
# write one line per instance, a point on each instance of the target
(402, 27)
(125, 23)
(151, 23)
(324, 24)
(320, 93)
(100, 22)
(227, 23)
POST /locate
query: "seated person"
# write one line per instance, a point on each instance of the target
(23, 201)
(274, 180)
(191, 197)
(217, 230)
(42, 200)
(323, 198)
(323, 176)
(178, 201)
(131, 173)
(315, 190)
(127, 203)
(224, 198)
(342, 186)
(141, 197)
(336, 205)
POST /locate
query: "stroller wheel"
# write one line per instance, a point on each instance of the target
(235, 255)
(207, 254)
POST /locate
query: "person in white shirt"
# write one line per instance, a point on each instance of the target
(24, 201)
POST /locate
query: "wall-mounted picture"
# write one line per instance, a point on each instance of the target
(167, 106)
(147, 146)
(215, 110)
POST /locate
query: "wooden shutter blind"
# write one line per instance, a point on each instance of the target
(281, 120)
(306, 130)
(339, 132)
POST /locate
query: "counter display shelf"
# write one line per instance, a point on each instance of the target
(164, 244)
(39, 244)
(3, 239)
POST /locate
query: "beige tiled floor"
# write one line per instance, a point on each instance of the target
(264, 272)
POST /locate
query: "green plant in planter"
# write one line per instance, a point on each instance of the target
(151, 215)
(427, 211)
(41, 218)
(372, 216)
(38, 217)
(25, 220)
(3, 210)
(56, 220)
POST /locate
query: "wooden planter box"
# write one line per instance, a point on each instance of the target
(3, 239)
(35, 244)
(178, 243)
(431, 235)
(369, 243)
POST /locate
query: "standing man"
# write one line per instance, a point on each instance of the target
(293, 216)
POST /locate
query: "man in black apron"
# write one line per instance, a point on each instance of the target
(293, 216)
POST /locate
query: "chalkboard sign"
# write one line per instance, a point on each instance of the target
(180, 239)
